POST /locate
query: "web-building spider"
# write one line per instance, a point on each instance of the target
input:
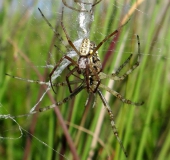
(89, 66)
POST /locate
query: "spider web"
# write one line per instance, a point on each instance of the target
(16, 132)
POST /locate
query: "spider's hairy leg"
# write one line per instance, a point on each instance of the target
(67, 78)
(68, 39)
(133, 67)
(55, 32)
(45, 83)
(65, 83)
(122, 66)
(96, 3)
(119, 96)
(114, 76)
(73, 94)
(57, 65)
(28, 80)
(68, 67)
(104, 76)
(89, 99)
(111, 120)
(107, 37)
(92, 73)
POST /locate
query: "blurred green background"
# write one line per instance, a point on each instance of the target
(27, 47)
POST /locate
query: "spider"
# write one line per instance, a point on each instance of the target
(89, 66)
(86, 52)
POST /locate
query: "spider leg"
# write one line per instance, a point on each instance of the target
(45, 83)
(66, 84)
(89, 98)
(119, 96)
(57, 65)
(95, 100)
(55, 32)
(28, 80)
(73, 94)
(93, 73)
(96, 3)
(73, 73)
(129, 71)
(71, 82)
(133, 67)
(87, 77)
(122, 66)
(114, 76)
(68, 39)
(98, 80)
(111, 120)
(107, 37)
(67, 78)
(104, 76)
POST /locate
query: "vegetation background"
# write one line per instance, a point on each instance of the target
(27, 46)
